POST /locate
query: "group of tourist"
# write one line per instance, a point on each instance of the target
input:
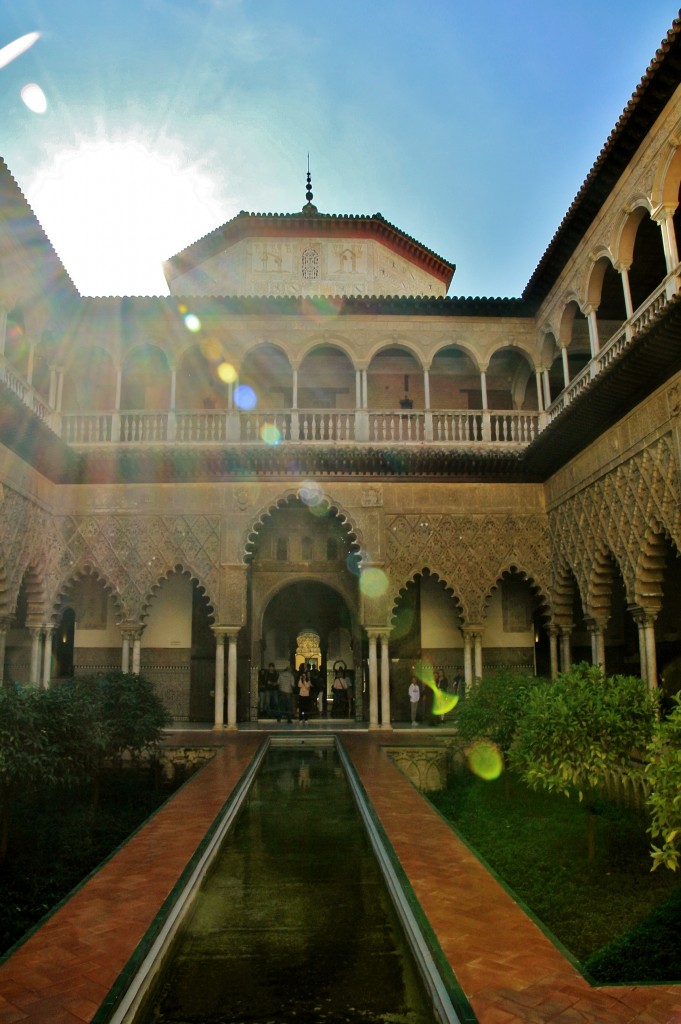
(421, 696)
(285, 694)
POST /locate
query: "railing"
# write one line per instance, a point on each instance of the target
(28, 395)
(617, 343)
(337, 426)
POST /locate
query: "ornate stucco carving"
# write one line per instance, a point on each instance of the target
(469, 552)
(618, 513)
(132, 553)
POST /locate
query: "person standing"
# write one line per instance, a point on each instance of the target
(414, 698)
(304, 696)
(340, 694)
(286, 681)
(271, 695)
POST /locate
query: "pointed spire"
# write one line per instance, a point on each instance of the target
(309, 207)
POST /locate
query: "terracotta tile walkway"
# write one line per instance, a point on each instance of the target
(506, 966)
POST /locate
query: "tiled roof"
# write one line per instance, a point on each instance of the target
(307, 224)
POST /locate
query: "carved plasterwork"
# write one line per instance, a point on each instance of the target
(132, 553)
(617, 514)
(29, 539)
(469, 552)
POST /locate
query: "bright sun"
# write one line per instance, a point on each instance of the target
(114, 210)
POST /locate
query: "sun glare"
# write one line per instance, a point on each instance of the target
(114, 210)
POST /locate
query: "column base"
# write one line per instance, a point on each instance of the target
(218, 727)
(373, 725)
(231, 728)
(385, 725)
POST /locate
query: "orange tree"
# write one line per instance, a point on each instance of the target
(663, 772)
(578, 728)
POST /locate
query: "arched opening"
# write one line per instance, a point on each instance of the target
(574, 338)
(426, 627)
(648, 267)
(515, 634)
(606, 294)
(90, 384)
(63, 646)
(198, 384)
(87, 640)
(267, 371)
(145, 384)
(395, 380)
(178, 648)
(303, 577)
(326, 380)
(510, 381)
(309, 622)
(454, 380)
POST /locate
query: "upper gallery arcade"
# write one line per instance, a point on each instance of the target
(511, 465)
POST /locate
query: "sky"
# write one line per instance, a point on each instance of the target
(469, 126)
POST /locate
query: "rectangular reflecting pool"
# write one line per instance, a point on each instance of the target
(293, 922)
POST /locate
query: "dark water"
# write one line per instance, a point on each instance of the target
(294, 923)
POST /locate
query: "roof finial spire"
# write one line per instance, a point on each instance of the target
(309, 208)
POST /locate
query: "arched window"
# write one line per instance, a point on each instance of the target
(282, 549)
(306, 548)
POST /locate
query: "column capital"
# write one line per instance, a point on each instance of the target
(643, 616)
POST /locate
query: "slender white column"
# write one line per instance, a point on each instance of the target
(173, 388)
(294, 398)
(467, 661)
(36, 638)
(136, 653)
(47, 656)
(385, 683)
(232, 634)
(597, 644)
(566, 366)
(651, 651)
(626, 288)
(373, 681)
(540, 390)
(671, 245)
(119, 388)
(547, 388)
(483, 388)
(565, 649)
(593, 332)
(477, 647)
(365, 390)
(358, 389)
(219, 714)
(125, 651)
(426, 389)
(642, 652)
(553, 648)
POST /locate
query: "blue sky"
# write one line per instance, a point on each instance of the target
(469, 126)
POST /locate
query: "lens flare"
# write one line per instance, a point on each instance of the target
(17, 47)
(210, 349)
(226, 373)
(192, 322)
(310, 493)
(373, 582)
(485, 760)
(34, 98)
(270, 433)
(244, 397)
